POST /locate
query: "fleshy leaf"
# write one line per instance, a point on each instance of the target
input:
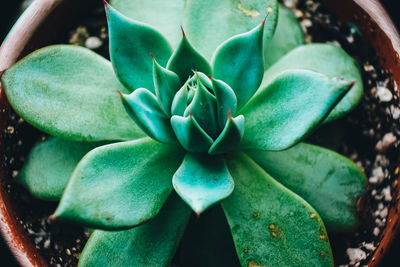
(208, 241)
(226, 100)
(239, 62)
(49, 166)
(131, 43)
(121, 185)
(152, 244)
(327, 59)
(290, 108)
(328, 181)
(272, 226)
(69, 92)
(145, 110)
(288, 35)
(230, 136)
(202, 181)
(210, 22)
(204, 109)
(190, 134)
(180, 102)
(186, 59)
(166, 84)
(164, 15)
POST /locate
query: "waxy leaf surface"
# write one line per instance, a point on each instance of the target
(166, 84)
(131, 43)
(209, 23)
(49, 166)
(164, 15)
(328, 181)
(152, 244)
(202, 181)
(121, 185)
(288, 35)
(327, 59)
(69, 92)
(187, 59)
(272, 226)
(144, 109)
(226, 100)
(239, 62)
(229, 137)
(190, 134)
(289, 108)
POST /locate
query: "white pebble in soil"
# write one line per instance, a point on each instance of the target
(387, 141)
(93, 42)
(356, 255)
(383, 94)
(377, 175)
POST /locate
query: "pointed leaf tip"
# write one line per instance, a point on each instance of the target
(152, 56)
(106, 4)
(52, 218)
(120, 93)
(183, 32)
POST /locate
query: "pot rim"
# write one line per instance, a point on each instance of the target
(16, 41)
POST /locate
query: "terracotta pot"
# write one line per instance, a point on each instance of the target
(39, 26)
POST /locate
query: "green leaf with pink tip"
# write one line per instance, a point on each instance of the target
(288, 109)
(270, 225)
(186, 59)
(69, 92)
(202, 181)
(144, 109)
(166, 84)
(239, 62)
(121, 185)
(152, 244)
(190, 134)
(226, 100)
(230, 136)
(209, 23)
(131, 43)
(329, 60)
(204, 109)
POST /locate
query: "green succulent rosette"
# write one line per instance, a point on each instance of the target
(217, 114)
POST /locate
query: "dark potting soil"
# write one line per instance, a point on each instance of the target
(370, 136)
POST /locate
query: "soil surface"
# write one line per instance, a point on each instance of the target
(370, 136)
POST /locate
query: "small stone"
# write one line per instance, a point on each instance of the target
(377, 175)
(290, 3)
(395, 111)
(387, 194)
(384, 213)
(383, 94)
(79, 36)
(369, 246)
(93, 42)
(356, 255)
(298, 13)
(46, 243)
(376, 231)
(387, 141)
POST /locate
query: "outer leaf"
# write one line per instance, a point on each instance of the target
(186, 59)
(202, 181)
(190, 134)
(164, 15)
(49, 166)
(288, 35)
(327, 59)
(230, 137)
(121, 185)
(328, 181)
(239, 62)
(166, 84)
(271, 226)
(204, 109)
(69, 92)
(131, 43)
(206, 21)
(145, 110)
(152, 244)
(287, 110)
(226, 100)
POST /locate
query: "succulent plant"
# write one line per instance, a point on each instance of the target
(225, 112)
